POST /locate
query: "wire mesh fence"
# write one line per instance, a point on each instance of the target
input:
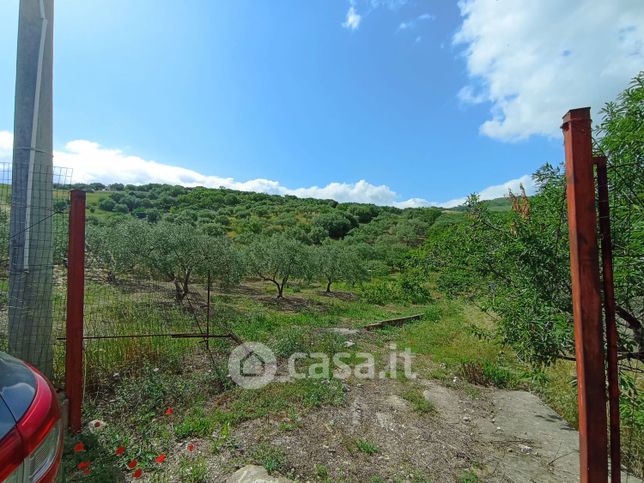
(132, 316)
(137, 318)
(625, 182)
(33, 274)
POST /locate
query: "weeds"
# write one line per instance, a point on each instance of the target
(321, 471)
(193, 470)
(469, 477)
(366, 447)
(271, 458)
(418, 401)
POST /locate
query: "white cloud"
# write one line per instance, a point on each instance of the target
(390, 4)
(489, 193)
(90, 162)
(412, 23)
(500, 190)
(6, 144)
(353, 19)
(467, 95)
(535, 60)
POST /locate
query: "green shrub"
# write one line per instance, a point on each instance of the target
(412, 288)
(380, 292)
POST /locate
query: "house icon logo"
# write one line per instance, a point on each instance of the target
(252, 365)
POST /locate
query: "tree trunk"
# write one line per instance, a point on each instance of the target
(182, 287)
(111, 277)
(279, 287)
(178, 291)
(328, 286)
(186, 282)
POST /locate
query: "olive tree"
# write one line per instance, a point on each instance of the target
(220, 260)
(335, 261)
(174, 254)
(120, 247)
(277, 259)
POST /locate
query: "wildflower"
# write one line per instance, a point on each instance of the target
(78, 447)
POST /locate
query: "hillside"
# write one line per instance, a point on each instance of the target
(241, 215)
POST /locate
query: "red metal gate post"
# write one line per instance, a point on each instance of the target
(586, 298)
(75, 302)
(609, 312)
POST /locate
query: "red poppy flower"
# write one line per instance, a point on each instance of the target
(137, 473)
(191, 447)
(83, 465)
(78, 447)
(132, 464)
(97, 424)
(160, 458)
(119, 451)
(169, 411)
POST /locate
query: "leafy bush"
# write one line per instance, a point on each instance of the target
(106, 204)
(412, 287)
(380, 292)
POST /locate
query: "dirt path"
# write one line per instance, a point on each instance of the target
(501, 436)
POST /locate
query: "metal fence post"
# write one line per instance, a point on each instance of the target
(75, 302)
(586, 297)
(609, 312)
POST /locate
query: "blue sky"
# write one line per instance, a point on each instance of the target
(425, 101)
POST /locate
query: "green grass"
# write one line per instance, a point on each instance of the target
(418, 401)
(366, 447)
(443, 335)
(450, 337)
(279, 398)
(468, 477)
(196, 423)
(321, 471)
(271, 458)
(193, 470)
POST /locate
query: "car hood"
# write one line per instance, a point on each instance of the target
(17, 391)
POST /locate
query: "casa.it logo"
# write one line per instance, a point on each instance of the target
(252, 365)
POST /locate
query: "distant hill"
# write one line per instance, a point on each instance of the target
(497, 204)
(242, 215)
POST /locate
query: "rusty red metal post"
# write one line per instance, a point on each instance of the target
(75, 302)
(609, 313)
(586, 297)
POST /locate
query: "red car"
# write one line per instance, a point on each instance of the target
(31, 429)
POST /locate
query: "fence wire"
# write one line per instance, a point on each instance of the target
(626, 201)
(133, 321)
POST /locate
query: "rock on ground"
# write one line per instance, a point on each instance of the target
(254, 474)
